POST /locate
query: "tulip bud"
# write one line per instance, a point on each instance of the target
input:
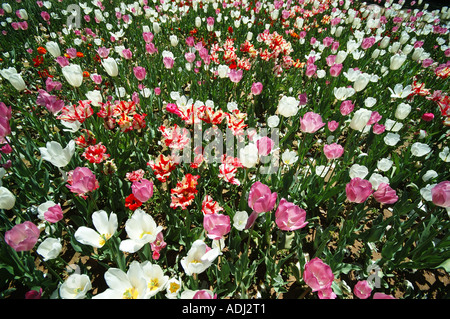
(73, 74)
(397, 61)
(402, 111)
(53, 48)
(360, 119)
(110, 66)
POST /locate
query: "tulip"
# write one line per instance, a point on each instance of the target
(333, 151)
(216, 225)
(54, 214)
(380, 295)
(311, 122)
(142, 190)
(105, 227)
(346, 107)
(440, 194)
(82, 181)
(288, 106)
(361, 82)
(22, 237)
(402, 111)
(110, 66)
(7, 198)
(199, 258)
(53, 48)
(240, 220)
(362, 289)
(5, 128)
(204, 294)
(75, 286)
(360, 119)
(385, 194)
(260, 200)
(73, 74)
(397, 61)
(139, 73)
(141, 229)
(55, 154)
(332, 125)
(249, 155)
(264, 145)
(235, 75)
(318, 275)
(358, 190)
(336, 69)
(290, 217)
(257, 88)
(49, 248)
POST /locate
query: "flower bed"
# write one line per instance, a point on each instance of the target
(224, 149)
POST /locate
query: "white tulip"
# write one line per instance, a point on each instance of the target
(55, 154)
(110, 66)
(76, 286)
(7, 198)
(53, 48)
(73, 74)
(50, 248)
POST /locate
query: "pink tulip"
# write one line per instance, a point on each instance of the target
(151, 48)
(362, 289)
(62, 61)
(440, 194)
(190, 57)
(210, 21)
(264, 145)
(139, 73)
(333, 151)
(380, 295)
(346, 107)
(326, 293)
(5, 129)
(142, 190)
(374, 118)
(311, 122)
(290, 217)
(82, 181)
(33, 294)
(103, 52)
(216, 225)
(51, 85)
(54, 214)
(204, 294)
(168, 62)
(333, 125)
(367, 43)
(5, 112)
(96, 78)
(158, 245)
(127, 54)
(358, 190)
(257, 88)
(335, 70)
(385, 194)
(331, 60)
(260, 200)
(173, 108)
(378, 128)
(318, 275)
(235, 75)
(148, 37)
(22, 237)
(311, 70)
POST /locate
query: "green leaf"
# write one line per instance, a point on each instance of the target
(445, 265)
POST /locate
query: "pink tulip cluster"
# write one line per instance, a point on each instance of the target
(319, 277)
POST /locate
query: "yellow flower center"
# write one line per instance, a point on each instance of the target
(130, 293)
(173, 287)
(153, 284)
(145, 233)
(104, 238)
